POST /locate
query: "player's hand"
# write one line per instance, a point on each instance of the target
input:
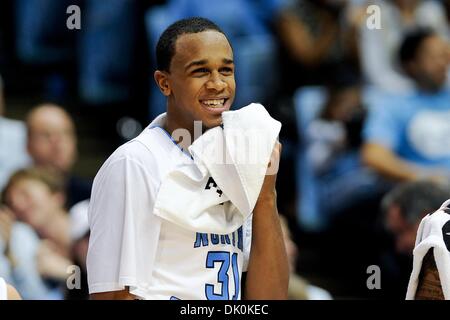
(268, 191)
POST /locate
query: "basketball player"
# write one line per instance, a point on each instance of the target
(134, 254)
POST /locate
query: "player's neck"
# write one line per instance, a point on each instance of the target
(182, 134)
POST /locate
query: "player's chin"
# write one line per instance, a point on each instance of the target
(209, 122)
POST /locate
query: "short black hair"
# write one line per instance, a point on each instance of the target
(412, 42)
(416, 199)
(165, 48)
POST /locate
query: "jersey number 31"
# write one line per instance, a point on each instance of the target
(222, 257)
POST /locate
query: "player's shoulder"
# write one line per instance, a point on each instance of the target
(142, 150)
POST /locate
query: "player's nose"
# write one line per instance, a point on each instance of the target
(215, 82)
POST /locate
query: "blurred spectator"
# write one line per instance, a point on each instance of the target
(379, 46)
(333, 141)
(317, 40)
(52, 143)
(338, 127)
(38, 255)
(407, 136)
(403, 209)
(13, 153)
(79, 234)
(19, 245)
(36, 197)
(406, 205)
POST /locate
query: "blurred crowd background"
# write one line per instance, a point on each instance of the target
(363, 96)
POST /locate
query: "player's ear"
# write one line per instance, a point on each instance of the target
(162, 80)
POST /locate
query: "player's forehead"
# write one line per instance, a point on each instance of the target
(210, 45)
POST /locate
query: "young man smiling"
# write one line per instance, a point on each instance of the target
(134, 254)
(199, 79)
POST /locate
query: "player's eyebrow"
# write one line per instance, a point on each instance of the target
(227, 61)
(196, 63)
(204, 61)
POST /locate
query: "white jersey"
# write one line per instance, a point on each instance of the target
(3, 290)
(131, 246)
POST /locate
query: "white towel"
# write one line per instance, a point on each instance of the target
(433, 232)
(218, 190)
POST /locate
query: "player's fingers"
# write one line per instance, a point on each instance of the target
(274, 159)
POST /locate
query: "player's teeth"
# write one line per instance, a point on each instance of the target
(214, 102)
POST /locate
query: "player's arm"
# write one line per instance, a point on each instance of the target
(268, 270)
(113, 295)
(117, 214)
(429, 287)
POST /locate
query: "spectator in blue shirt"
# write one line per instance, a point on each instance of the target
(407, 137)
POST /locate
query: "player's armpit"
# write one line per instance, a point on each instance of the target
(429, 287)
(113, 295)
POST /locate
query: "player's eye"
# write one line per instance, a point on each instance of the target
(226, 70)
(200, 71)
